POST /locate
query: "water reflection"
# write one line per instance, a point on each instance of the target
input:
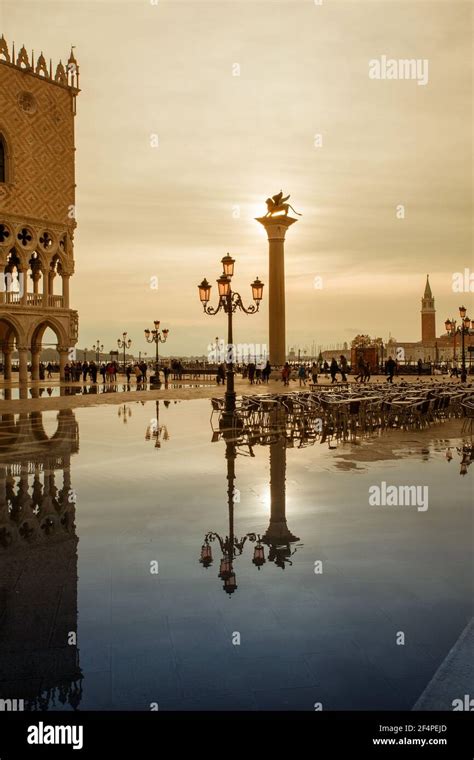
(154, 430)
(278, 538)
(466, 456)
(39, 657)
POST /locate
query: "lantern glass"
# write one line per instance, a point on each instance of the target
(204, 291)
(462, 311)
(223, 284)
(257, 290)
(228, 265)
(230, 584)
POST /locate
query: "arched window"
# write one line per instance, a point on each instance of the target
(3, 160)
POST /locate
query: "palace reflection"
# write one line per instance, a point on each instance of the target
(39, 657)
(277, 537)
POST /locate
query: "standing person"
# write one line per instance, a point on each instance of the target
(49, 369)
(85, 369)
(220, 373)
(166, 373)
(326, 368)
(93, 371)
(285, 374)
(267, 372)
(302, 374)
(343, 366)
(67, 373)
(361, 369)
(366, 377)
(128, 372)
(314, 373)
(333, 370)
(258, 375)
(144, 368)
(138, 374)
(251, 372)
(103, 371)
(391, 366)
(420, 366)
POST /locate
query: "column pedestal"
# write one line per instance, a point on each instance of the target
(276, 227)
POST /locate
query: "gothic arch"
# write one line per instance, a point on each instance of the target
(10, 328)
(38, 328)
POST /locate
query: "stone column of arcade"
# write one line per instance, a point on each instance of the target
(7, 358)
(65, 279)
(23, 364)
(276, 227)
(63, 356)
(35, 362)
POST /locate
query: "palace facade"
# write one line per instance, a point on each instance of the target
(37, 206)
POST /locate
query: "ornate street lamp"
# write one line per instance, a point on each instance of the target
(465, 328)
(156, 336)
(97, 347)
(124, 343)
(229, 302)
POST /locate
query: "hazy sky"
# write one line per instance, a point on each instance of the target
(227, 142)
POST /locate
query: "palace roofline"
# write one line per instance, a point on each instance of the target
(64, 76)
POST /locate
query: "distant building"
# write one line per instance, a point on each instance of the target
(430, 348)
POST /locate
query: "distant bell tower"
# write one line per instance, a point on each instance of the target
(428, 314)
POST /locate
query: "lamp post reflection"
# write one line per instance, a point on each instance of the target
(277, 537)
(155, 431)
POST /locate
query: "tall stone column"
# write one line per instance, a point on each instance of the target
(23, 373)
(276, 227)
(278, 531)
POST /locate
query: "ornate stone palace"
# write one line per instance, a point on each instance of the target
(37, 211)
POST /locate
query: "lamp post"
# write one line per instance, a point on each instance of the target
(463, 329)
(124, 343)
(156, 336)
(450, 326)
(229, 301)
(97, 347)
